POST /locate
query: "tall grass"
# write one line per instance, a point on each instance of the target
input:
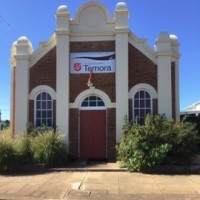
(45, 147)
(7, 151)
(49, 149)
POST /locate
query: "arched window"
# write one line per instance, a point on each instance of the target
(43, 110)
(92, 101)
(142, 105)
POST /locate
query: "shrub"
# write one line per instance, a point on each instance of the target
(23, 146)
(158, 141)
(49, 149)
(7, 151)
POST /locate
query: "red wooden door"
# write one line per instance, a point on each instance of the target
(93, 134)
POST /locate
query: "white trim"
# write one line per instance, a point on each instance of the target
(143, 86)
(93, 108)
(44, 48)
(42, 88)
(95, 92)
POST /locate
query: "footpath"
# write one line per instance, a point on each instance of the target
(101, 182)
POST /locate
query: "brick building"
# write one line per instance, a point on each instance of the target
(90, 74)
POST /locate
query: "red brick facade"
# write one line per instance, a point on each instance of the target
(141, 69)
(44, 71)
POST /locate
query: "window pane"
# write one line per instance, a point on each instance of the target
(142, 104)
(142, 113)
(44, 122)
(84, 104)
(148, 95)
(148, 103)
(142, 94)
(38, 105)
(44, 96)
(43, 111)
(48, 96)
(38, 97)
(148, 111)
(38, 122)
(136, 112)
(137, 95)
(43, 114)
(49, 104)
(38, 114)
(93, 103)
(43, 104)
(136, 103)
(49, 122)
(93, 98)
(101, 103)
(49, 114)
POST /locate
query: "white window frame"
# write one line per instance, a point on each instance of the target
(143, 108)
(41, 109)
(92, 107)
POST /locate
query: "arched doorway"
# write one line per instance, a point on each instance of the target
(92, 128)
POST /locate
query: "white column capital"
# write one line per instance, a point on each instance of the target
(121, 16)
(22, 46)
(62, 18)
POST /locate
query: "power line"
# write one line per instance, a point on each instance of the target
(8, 24)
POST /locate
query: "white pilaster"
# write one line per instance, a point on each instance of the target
(167, 48)
(22, 54)
(62, 71)
(121, 48)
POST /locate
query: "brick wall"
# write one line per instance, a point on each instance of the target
(44, 71)
(141, 69)
(173, 90)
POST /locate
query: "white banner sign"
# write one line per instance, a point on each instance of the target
(95, 62)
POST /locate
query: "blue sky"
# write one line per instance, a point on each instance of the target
(36, 20)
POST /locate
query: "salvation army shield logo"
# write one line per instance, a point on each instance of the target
(77, 67)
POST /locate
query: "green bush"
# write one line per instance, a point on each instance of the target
(48, 148)
(7, 151)
(158, 141)
(23, 146)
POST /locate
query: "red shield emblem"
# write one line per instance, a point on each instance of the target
(77, 66)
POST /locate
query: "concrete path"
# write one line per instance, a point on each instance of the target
(100, 185)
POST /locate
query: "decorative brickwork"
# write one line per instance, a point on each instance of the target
(141, 69)
(92, 46)
(173, 74)
(44, 71)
